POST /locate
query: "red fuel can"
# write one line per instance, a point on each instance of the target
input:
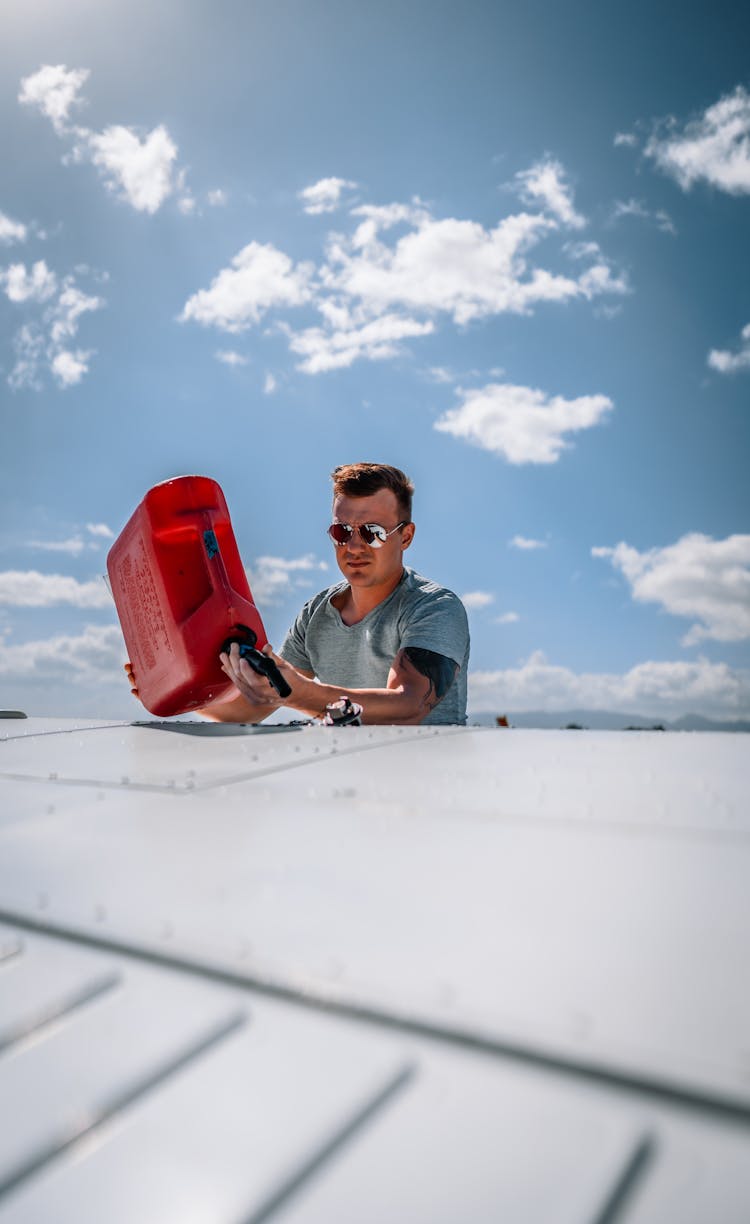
(180, 590)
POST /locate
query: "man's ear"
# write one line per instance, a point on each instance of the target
(407, 535)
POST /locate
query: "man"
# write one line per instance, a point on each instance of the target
(388, 639)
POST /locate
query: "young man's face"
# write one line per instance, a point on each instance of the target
(362, 565)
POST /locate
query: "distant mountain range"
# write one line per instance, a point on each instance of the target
(606, 720)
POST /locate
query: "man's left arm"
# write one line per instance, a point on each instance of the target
(428, 673)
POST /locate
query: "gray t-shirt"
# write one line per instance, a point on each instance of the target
(417, 613)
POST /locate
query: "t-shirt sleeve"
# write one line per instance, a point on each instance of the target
(439, 623)
(293, 648)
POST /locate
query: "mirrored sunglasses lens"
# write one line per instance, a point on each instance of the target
(372, 534)
(339, 533)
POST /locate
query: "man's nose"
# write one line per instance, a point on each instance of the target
(355, 543)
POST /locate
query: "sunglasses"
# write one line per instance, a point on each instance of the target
(372, 533)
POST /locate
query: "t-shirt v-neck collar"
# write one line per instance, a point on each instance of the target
(339, 590)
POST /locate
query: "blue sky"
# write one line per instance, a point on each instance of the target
(502, 246)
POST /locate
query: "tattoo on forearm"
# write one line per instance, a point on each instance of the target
(440, 671)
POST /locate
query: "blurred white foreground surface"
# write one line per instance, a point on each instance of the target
(373, 974)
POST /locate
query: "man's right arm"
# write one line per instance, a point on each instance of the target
(239, 708)
(235, 708)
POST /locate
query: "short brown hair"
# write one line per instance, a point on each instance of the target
(363, 479)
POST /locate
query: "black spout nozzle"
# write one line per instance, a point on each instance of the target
(259, 662)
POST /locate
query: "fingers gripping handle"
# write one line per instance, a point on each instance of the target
(265, 667)
(259, 662)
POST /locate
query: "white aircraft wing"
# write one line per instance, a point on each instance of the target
(373, 975)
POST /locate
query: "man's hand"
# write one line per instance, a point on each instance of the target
(257, 689)
(131, 678)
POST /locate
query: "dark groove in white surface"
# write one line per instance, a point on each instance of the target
(196, 787)
(66, 1003)
(666, 1089)
(632, 1174)
(64, 1144)
(64, 731)
(316, 758)
(319, 1158)
(10, 954)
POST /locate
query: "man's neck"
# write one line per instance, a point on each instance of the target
(355, 603)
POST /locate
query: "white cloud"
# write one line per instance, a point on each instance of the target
(599, 279)
(69, 367)
(715, 147)
(477, 599)
(507, 618)
(334, 350)
(95, 656)
(11, 231)
(70, 305)
(43, 343)
(727, 362)
(36, 285)
(663, 689)
(269, 384)
(629, 208)
(74, 545)
(325, 195)
(260, 277)
(522, 424)
(30, 589)
(460, 268)
(608, 312)
(457, 267)
(217, 198)
(29, 345)
(545, 184)
(54, 90)
(230, 357)
(273, 578)
(698, 577)
(142, 169)
(389, 279)
(636, 208)
(378, 217)
(627, 140)
(525, 543)
(73, 675)
(582, 250)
